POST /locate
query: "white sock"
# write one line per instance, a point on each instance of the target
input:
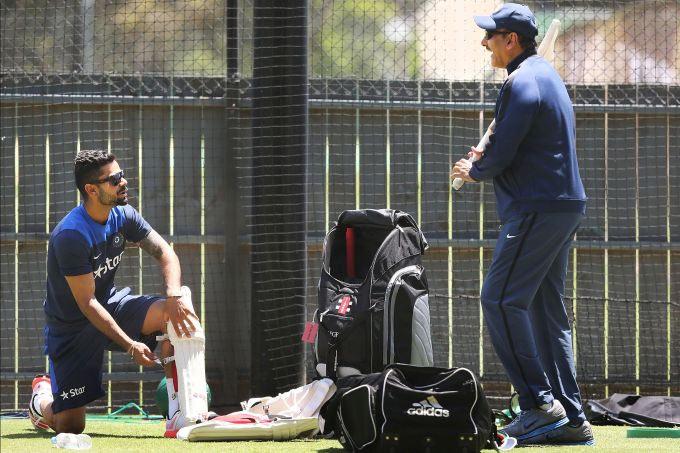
(173, 401)
(546, 406)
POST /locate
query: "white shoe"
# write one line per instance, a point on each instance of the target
(175, 423)
(42, 388)
(179, 421)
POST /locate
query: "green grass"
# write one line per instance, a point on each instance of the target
(19, 436)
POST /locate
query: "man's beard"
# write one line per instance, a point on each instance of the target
(116, 200)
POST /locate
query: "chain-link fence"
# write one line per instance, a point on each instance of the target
(247, 126)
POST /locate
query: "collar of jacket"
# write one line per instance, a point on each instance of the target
(514, 64)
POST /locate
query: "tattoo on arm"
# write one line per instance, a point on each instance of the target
(153, 244)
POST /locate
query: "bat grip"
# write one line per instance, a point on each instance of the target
(458, 183)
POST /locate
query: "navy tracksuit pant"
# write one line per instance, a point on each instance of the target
(522, 299)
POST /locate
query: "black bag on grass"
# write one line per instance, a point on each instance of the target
(635, 410)
(407, 409)
(372, 295)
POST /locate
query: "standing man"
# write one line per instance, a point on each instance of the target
(85, 313)
(531, 158)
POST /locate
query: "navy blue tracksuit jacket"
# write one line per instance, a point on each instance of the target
(532, 153)
(541, 202)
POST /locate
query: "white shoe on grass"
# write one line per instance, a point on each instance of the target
(42, 388)
(179, 421)
(175, 423)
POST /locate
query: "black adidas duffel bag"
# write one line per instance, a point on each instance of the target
(408, 408)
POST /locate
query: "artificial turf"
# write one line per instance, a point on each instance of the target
(17, 435)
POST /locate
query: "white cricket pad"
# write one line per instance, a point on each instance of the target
(249, 427)
(290, 415)
(190, 363)
(305, 401)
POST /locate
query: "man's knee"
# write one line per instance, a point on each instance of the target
(69, 424)
(489, 300)
(155, 318)
(70, 427)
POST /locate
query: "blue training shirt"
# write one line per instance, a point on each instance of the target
(79, 245)
(532, 152)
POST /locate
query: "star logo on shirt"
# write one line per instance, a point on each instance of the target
(64, 395)
(100, 269)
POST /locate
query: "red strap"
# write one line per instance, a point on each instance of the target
(242, 419)
(175, 380)
(349, 241)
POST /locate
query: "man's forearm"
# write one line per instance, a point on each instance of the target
(156, 246)
(105, 323)
(171, 271)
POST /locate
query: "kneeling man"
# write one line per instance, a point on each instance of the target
(86, 315)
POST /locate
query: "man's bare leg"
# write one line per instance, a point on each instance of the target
(155, 321)
(155, 318)
(42, 416)
(66, 421)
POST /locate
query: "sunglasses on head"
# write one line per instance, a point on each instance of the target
(113, 179)
(491, 33)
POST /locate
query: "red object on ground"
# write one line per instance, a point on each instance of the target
(243, 418)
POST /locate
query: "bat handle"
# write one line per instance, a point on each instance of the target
(458, 183)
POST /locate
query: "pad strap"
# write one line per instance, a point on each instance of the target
(167, 360)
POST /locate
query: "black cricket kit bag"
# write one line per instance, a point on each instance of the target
(411, 409)
(373, 295)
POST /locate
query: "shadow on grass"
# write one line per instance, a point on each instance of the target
(122, 436)
(32, 434)
(28, 434)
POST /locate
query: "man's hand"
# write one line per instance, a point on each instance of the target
(182, 318)
(141, 354)
(461, 169)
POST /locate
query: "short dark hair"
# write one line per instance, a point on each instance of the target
(87, 164)
(528, 44)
